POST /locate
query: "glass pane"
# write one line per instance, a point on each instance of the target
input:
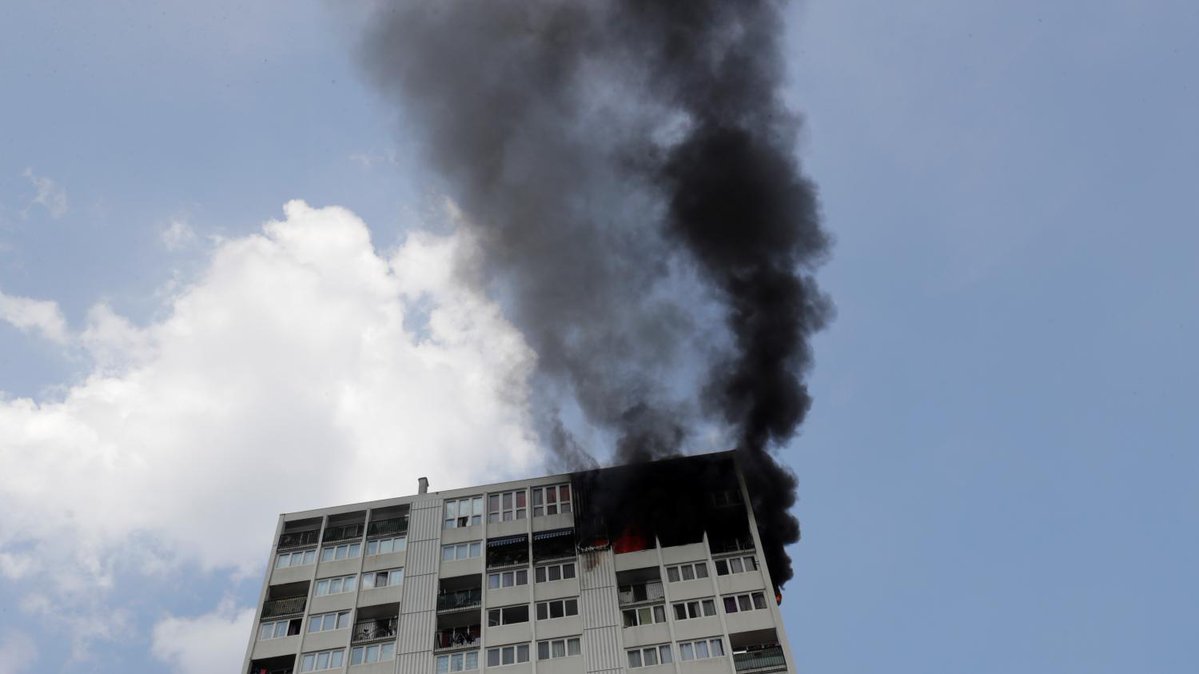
(322, 660)
(520, 499)
(701, 649)
(326, 554)
(572, 646)
(554, 572)
(572, 607)
(509, 655)
(543, 650)
(743, 602)
(659, 614)
(356, 657)
(338, 658)
(542, 611)
(443, 664)
(355, 549)
(664, 652)
(686, 652)
(493, 581)
(565, 492)
(680, 612)
(348, 586)
(759, 600)
(722, 567)
(717, 647)
(372, 548)
(540, 574)
(474, 550)
(472, 661)
(672, 574)
(309, 556)
(451, 509)
(651, 657)
(559, 648)
(522, 577)
(281, 629)
(709, 607)
(493, 657)
(634, 659)
(372, 653)
(322, 587)
(701, 570)
(730, 604)
(551, 495)
(308, 663)
(447, 553)
(493, 502)
(568, 570)
(688, 572)
(537, 499)
(478, 505)
(343, 620)
(735, 565)
(522, 653)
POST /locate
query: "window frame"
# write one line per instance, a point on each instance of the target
(549, 613)
(688, 650)
(700, 606)
(745, 561)
(353, 581)
(455, 521)
(516, 654)
(471, 546)
(365, 650)
(373, 545)
(658, 650)
(337, 616)
(566, 643)
(353, 551)
(338, 654)
(290, 556)
(498, 616)
(499, 576)
(745, 601)
(657, 615)
(448, 658)
(391, 574)
(676, 573)
(541, 504)
(541, 571)
(515, 510)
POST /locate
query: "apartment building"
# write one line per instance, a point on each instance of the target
(653, 569)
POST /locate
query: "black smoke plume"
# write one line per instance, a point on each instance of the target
(628, 168)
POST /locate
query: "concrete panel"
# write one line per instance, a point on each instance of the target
(551, 522)
(559, 627)
(513, 528)
(690, 589)
(386, 667)
(569, 665)
(693, 552)
(742, 582)
(507, 596)
(390, 560)
(292, 574)
(460, 567)
(636, 560)
(645, 635)
(381, 595)
(659, 669)
(746, 621)
(707, 665)
(274, 647)
(463, 534)
(319, 641)
(508, 634)
(340, 567)
(332, 602)
(698, 628)
(557, 589)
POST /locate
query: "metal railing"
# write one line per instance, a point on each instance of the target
(298, 539)
(637, 594)
(375, 629)
(759, 659)
(452, 601)
(457, 637)
(343, 532)
(395, 525)
(274, 608)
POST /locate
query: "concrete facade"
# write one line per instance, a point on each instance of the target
(411, 585)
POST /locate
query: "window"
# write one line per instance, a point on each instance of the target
(336, 585)
(325, 622)
(364, 655)
(698, 650)
(687, 571)
(699, 608)
(507, 579)
(386, 578)
(646, 615)
(551, 572)
(551, 500)
(507, 506)
(559, 608)
(330, 553)
(507, 655)
(458, 662)
(450, 553)
(736, 565)
(463, 512)
(744, 602)
(314, 662)
(383, 546)
(508, 615)
(297, 558)
(648, 657)
(557, 648)
(277, 629)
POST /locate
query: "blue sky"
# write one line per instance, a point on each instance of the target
(999, 470)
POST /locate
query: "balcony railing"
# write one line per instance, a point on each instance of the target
(760, 659)
(453, 601)
(298, 539)
(275, 608)
(395, 525)
(375, 629)
(638, 594)
(343, 532)
(458, 637)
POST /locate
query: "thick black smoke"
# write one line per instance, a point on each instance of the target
(628, 167)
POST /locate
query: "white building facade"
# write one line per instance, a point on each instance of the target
(503, 578)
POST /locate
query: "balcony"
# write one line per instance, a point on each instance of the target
(372, 630)
(458, 637)
(394, 525)
(276, 608)
(462, 599)
(344, 532)
(763, 659)
(643, 593)
(297, 539)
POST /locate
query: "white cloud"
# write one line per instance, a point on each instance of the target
(17, 653)
(48, 194)
(40, 316)
(285, 377)
(177, 235)
(213, 642)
